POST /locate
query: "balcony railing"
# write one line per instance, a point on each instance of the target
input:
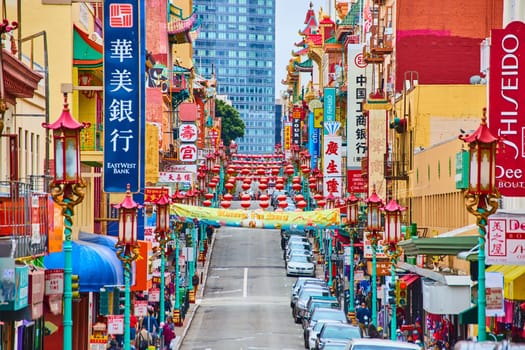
(395, 169)
(23, 220)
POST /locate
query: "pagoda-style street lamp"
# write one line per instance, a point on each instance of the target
(161, 235)
(352, 218)
(392, 237)
(67, 190)
(481, 200)
(374, 203)
(127, 250)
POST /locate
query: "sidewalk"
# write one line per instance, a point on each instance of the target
(202, 270)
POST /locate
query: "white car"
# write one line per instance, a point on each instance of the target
(379, 344)
(300, 265)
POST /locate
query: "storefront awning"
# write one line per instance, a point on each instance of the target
(469, 316)
(409, 279)
(438, 245)
(513, 280)
(95, 264)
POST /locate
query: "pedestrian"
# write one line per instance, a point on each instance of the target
(168, 334)
(143, 339)
(151, 324)
(195, 281)
(133, 323)
(363, 316)
(209, 233)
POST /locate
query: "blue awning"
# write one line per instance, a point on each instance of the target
(96, 265)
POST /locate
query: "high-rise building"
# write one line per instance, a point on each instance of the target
(237, 44)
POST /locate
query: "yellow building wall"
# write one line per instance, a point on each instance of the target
(183, 53)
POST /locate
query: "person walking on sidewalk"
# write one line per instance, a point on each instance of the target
(195, 281)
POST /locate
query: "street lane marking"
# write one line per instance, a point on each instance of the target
(245, 283)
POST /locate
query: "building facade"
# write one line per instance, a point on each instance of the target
(236, 44)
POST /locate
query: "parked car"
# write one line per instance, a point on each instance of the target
(334, 346)
(332, 332)
(309, 342)
(286, 234)
(305, 252)
(380, 344)
(300, 265)
(302, 299)
(301, 281)
(329, 302)
(323, 314)
(297, 246)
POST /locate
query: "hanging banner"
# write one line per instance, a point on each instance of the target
(123, 83)
(506, 106)
(258, 218)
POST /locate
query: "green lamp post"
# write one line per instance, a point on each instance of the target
(374, 203)
(481, 200)
(352, 217)
(177, 319)
(127, 250)
(392, 237)
(161, 235)
(67, 190)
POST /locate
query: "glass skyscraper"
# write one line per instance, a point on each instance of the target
(237, 43)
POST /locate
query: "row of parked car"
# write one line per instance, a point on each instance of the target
(324, 322)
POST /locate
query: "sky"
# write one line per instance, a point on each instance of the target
(290, 16)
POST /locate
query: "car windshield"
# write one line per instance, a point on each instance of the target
(340, 332)
(300, 258)
(324, 304)
(328, 314)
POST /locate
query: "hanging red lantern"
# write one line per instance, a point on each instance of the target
(246, 186)
(228, 196)
(264, 204)
(245, 197)
(301, 204)
(226, 204)
(282, 204)
(279, 186)
(263, 197)
(229, 186)
(246, 204)
(297, 187)
(206, 203)
(208, 195)
(299, 197)
(321, 203)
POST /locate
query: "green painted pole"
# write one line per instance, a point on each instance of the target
(177, 302)
(351, 287)
(329, 260)
(162, 292)
(203, 237)
(393, 319)
(68, 270)
(374, 285)
(127, 345)
(482, 298)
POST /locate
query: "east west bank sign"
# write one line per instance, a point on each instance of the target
(507, 106)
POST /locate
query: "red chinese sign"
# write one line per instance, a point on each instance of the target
(188, 153)
(505, 239)
(153, 194)
(121, 15)
(188, 132)
(507, 106)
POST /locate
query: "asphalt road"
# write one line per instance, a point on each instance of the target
(246, 303)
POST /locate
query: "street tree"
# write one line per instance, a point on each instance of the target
(232, 124)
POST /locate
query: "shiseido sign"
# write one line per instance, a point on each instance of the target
(507, 106)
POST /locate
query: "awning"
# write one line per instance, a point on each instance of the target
(469, 316)
(438, 245)
(86, 52)
(409, 279)
(513, 280)
(95, 264)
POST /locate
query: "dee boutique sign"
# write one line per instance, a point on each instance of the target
(506, 239)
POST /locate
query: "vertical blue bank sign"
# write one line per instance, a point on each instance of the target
(122, 84)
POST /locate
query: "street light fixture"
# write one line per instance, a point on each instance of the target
(374, 203)
(127, 250)
(392, 237)
(481, 200)
(67, 190)
(161, 235)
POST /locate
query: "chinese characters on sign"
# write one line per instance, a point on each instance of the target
(332, 148)
(505, 239)
(122, 121)
(356, 125)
